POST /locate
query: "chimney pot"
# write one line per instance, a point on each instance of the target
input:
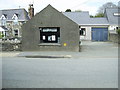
(31, 11)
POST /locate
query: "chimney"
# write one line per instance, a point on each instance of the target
(31, 11)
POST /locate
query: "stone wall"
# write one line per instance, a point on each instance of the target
(11, 46)
(113, 37)
(7, 45)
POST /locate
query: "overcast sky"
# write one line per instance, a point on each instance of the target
(85, 5)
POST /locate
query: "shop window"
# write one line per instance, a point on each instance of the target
(49, 35)
(16, 33)
(82, 31)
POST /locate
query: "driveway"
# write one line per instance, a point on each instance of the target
(96, 66)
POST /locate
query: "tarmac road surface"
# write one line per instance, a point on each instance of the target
(96, 66)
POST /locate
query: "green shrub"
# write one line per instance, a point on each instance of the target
(118, 31)
(1, 35)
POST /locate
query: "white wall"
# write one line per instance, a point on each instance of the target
(112, 28)
(88, 33)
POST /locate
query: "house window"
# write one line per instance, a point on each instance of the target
(116, 14)
(3, 20)
(15, 19)
(49, 35)
(16, 33)
(83, 31)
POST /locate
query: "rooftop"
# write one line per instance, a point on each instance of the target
(78, 17)
(110, 14)
(22, 14)
(83, 18)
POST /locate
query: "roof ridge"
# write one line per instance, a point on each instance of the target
(12, 9)
(76, 12)
(99, 17)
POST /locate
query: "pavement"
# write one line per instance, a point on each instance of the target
(88, 49)
(96, 66)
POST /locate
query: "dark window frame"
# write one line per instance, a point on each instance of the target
(82, 31)
(49, 35)
(16, 33)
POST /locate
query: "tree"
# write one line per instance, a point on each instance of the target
(91, 16)
(103, 7)
(68, 10)
(78, 10)
(99, 15)
(106, 5)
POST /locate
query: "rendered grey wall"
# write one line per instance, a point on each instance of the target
(50, 17)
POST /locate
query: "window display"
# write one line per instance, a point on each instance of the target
(49, 34)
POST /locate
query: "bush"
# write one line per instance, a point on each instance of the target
(118, 31)
(0, 35)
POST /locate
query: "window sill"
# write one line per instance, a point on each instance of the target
(82, 35)
(49, 44)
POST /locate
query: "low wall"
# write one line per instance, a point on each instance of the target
(113, 37)
(11, 46)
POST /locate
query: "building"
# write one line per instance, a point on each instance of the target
(3, 32)
(113, 15)
(95, 29)
(13, 19)
(99, 29)
(50, 30)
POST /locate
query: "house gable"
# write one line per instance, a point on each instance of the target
(15, 16)
(49, 17)
(49, 13)
(111, 16)
(3, 17)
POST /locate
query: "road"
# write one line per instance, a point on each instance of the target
(96, 66)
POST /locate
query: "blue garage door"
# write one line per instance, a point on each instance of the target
(99, 34)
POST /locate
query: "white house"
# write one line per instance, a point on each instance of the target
(95, 29)
(3, 32)
(12, 19)
(112, 15)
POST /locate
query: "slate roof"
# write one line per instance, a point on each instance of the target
(83, 18)
(109, 12)
(99, 21)
(78, 17)
(22, 14)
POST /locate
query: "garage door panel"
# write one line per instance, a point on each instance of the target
(105, 35)
(99, 34)
(94, 37)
